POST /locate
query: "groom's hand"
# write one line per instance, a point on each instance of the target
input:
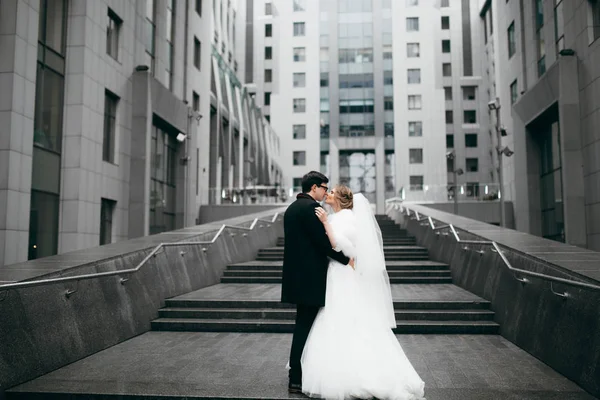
(351, 263)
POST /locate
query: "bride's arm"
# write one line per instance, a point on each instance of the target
(322, 215)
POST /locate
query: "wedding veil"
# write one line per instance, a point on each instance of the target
(374, 281)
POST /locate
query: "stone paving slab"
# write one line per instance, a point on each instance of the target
(272, 291)
(252, 366)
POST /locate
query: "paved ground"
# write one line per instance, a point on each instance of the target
(233, 365)
(259, 291)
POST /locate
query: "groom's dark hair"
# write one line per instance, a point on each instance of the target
(312, 178)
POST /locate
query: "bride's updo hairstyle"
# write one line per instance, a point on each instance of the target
(344, 196)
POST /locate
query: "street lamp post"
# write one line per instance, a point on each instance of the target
(501, 151)
(451, 155)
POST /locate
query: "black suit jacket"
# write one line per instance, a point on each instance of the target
(305, 254)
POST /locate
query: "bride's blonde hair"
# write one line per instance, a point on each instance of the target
(344, 196)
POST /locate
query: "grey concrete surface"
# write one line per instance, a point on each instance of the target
(41, 329)
(252, 366)
(562, 332)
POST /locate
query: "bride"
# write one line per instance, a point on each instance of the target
(351, 351)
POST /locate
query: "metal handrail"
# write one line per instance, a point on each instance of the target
(496, 248)
(153, 253)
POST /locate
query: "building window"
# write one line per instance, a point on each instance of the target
(415, 128)
(299, 158)
(448, 92)
(297, 184)
(299, 54)
(541, 46)
(446, 69)
(449, 117)
(414, 76)
(299, 5)
(324, 81)
(469, 92)
(299, 79)
(594, 18)
(43, 224)
(267, 98)
(470, 140)
(450, 165)
(199, 7)
(412, 24)
(388, 103)
(107, 208)
(195, 101)
(299, 105)
(412, 3)
(513, 92)
(299, 29)
(445, 23)
(110, 126)
(416, 183)
(150, 32)
(268, 8)
(470, 117)
(113, 31)
(299, 131)
(268, 30)
(268, 53)
(388, 78)
(512, 44)
(413, 50)
(415, 156)
(268, 75)
(414, 102)
(445, 3)
(170, 34)
(449, 141)
(446, 46)
(388, 129)
(559, 26)
(387, 53)
(472, 164)
(197, 53)
(163, 166)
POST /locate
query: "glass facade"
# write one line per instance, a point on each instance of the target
(48, 126)
(163, 174)
(357, 171)
(551, 188)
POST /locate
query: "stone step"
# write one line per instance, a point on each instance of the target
(277, 250)
(396, 280)
(425, 265)
(388, 257)
(290, 314)
(276, 304)
(274, 273)
(283, 326)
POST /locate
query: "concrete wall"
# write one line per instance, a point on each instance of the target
(562, 333)
(42, 329)
(488, 212)
(210, 213)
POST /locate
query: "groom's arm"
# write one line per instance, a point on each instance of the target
(316, 233)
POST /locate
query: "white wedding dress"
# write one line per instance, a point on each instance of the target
(351, 351)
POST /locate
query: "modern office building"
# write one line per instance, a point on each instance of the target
(395, 88)
(543, 58)
(118, 119)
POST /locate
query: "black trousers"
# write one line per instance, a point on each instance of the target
(305, 317)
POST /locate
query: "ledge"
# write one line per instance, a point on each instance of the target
(59, 263)
(572, 258)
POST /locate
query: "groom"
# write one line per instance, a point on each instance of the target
(305, 261)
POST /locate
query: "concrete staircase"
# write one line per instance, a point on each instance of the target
(407, 264)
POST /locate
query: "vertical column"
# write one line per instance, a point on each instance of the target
(571, 154)
(18, 47)
(380, 171)
(139, 198)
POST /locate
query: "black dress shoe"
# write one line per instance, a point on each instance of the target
(295, 388)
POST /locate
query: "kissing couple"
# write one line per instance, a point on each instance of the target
(334, 271)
